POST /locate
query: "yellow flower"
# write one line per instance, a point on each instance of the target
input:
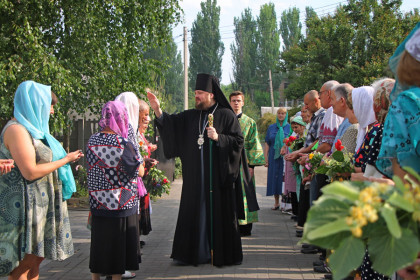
(349, 221)
(357, 232)
(370, 213)
(311, 155)
(369, 195)
(357, 215)
(341, 179)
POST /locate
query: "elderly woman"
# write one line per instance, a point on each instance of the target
(273, 159)
(34, 221)
(114, 166)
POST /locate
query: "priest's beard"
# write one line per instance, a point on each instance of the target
(203, 105)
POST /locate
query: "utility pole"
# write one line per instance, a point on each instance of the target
(185, 70)
(271, 91)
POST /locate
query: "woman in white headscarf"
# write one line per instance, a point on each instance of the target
(362, 102)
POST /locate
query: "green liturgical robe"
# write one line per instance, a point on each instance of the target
(255, 157)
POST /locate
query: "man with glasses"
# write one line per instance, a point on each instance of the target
(254, 154)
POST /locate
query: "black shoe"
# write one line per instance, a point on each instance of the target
(328, 276)
(304, 246)
(299, 233)
(142, 243)
(322, 258)
(310, 250)
(318, 263)
(322, 269)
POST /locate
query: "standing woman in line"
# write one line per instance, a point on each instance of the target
(34, 222)
(114, 166)
(273, 159)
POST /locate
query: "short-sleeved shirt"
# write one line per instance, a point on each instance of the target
(313, 131)
(401, 134)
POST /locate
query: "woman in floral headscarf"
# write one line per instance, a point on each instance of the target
(34, 222)
(114, 166)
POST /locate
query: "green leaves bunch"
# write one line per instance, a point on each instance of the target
(350, 218)
(338, 166)
(156, 183)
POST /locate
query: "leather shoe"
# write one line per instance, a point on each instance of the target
(299, 234)
(318, 263)
(328, 276)
(305, 245)
(310, 250)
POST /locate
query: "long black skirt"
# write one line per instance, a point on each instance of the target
(114, 246)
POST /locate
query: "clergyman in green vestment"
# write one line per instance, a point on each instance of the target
(254, 154)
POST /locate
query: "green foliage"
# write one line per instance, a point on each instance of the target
(88, 51)
(81, 182)
(178, 168)
(263, 123)
(292, 111)
(353, 45)
(156, 183)
(290, 28)
(206, 47)
(351, 217)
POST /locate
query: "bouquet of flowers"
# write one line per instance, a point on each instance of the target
(339, 165)
(314, 160)
(156, 183)
(351, 217)
(144, 152)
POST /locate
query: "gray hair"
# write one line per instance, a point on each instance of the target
(143, 105)
(342, 90)
(330, 84)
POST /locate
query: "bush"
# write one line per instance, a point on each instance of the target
(263, 123)
(81, 182)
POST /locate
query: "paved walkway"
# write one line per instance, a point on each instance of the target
(270, 253)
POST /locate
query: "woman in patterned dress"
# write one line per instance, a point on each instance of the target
(34, 222)
(114, 166)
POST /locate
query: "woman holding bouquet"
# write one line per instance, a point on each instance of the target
(273, 159)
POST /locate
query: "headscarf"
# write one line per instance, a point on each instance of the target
(395, 60)
(32, 110)
(299, 120)
(381, 97)
(362, 98)
(131, 102)
(211, 84)
(278, 143)
(114, 115)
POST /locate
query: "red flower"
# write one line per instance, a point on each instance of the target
(165, 181)
(338, 145)
(292, 138)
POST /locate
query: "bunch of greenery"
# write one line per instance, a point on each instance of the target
(350, 218)
(339, 165)
(313, 162)
(81, 182)
(156, 183)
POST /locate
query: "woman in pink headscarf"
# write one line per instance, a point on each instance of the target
(114, 166)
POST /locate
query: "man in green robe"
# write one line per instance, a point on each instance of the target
(254, 154)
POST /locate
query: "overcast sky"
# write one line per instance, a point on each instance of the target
(233, 8)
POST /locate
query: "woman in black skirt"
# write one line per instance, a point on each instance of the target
(114, 166)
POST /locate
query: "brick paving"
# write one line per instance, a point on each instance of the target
(270, 253)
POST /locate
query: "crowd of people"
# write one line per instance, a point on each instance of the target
(218, 146)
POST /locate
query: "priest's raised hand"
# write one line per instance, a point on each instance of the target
(154, 104)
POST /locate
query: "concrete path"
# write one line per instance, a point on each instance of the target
(270, 253)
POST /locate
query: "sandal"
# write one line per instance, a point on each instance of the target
(275, 207)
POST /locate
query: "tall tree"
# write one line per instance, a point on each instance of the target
(290, 28)
(244, 52)
(206, 48)
(268, 51)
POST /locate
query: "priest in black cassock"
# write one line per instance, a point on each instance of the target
(186, 135)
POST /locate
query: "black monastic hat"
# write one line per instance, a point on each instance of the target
(211, 84)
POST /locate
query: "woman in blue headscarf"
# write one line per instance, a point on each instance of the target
(273, 160)
(34, 222)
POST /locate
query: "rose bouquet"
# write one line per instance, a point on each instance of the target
(339, 165)
(351, 217)
(156, 183)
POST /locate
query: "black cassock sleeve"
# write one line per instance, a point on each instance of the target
(171, 139)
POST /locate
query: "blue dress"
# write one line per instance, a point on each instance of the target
(275, 166)
(401, 134)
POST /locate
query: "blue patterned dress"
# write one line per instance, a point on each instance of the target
(275, 166)
(401, 134)
(44, 230)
